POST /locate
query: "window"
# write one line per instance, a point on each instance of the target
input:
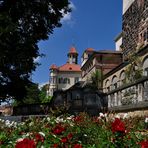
(115, 85)
(68, 80)
(76, 79)
(114, 82)
(146, 72)
(77, 97)
(60, 80)
(64, 81)
(145, 66)
(145, 35)
(108, 89)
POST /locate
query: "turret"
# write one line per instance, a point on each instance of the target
(72, 56)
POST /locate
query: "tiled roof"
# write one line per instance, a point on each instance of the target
(73, 50)
(89, 49)
(70, 67)
(53, 66)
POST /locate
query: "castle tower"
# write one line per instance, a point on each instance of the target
(72, 56)
(53, 79)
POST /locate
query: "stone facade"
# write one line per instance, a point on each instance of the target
(134, 27)
(122, 93)
(125, 94)
(80, 98)
(103, 60)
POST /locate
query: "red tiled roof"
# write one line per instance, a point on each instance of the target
(89, 49)
(70, 67)
(73, 50)
(53, 66)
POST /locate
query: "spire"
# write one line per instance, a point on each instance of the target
(72, 55)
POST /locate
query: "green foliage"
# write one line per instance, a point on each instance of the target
(96, 80)
(134, 69)
(22, 25)
(34, 95)
(44, 98)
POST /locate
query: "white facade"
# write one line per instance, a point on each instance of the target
(126, 5)
(71, 77)
(118, 42)
(65, 76)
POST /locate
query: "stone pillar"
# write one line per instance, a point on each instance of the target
(119, 98)
(109, 101)
(145, 96)
(115, 99)
(140, 92)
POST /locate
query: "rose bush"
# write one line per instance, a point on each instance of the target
(82, 131)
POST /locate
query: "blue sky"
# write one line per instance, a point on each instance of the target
(92, 23)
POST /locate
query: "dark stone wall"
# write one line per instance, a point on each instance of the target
(134, 21)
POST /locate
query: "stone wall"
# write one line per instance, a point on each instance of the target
(134, 25)
(130, 97)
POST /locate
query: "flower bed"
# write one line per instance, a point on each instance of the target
(81, 131)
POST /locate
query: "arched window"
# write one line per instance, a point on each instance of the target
(145, 66)
(122, 78)
(114, 82)
(107, 85)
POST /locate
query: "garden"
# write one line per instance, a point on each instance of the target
(107, 130)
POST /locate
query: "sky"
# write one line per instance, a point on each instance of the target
(92, 23)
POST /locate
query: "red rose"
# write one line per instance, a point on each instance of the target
(38, 138)
(64, 139)
(77, 119)
(69, 136)
(118, 126)
(25, 143)
(144, 144)
(1, 142)
(77, 146)
(58, 130)
(55, 145)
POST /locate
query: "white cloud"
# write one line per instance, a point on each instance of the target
(36, 60)
(42, 84)
(68, 16)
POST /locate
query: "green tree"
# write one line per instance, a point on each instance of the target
(96, 80)
(23, 24)
(32, 95)
(134, 69)
(44, 98)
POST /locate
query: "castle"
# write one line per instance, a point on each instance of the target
(124, 71)
(63, 77)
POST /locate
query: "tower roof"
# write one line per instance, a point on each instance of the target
(70, 67)
(89, 50)
(73, 51)
(53, 67)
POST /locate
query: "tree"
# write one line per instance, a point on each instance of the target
(134, 69)
(32, 95)
(96, 80)
(22, 24)
(44, 98)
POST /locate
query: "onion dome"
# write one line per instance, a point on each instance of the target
(53, 67)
